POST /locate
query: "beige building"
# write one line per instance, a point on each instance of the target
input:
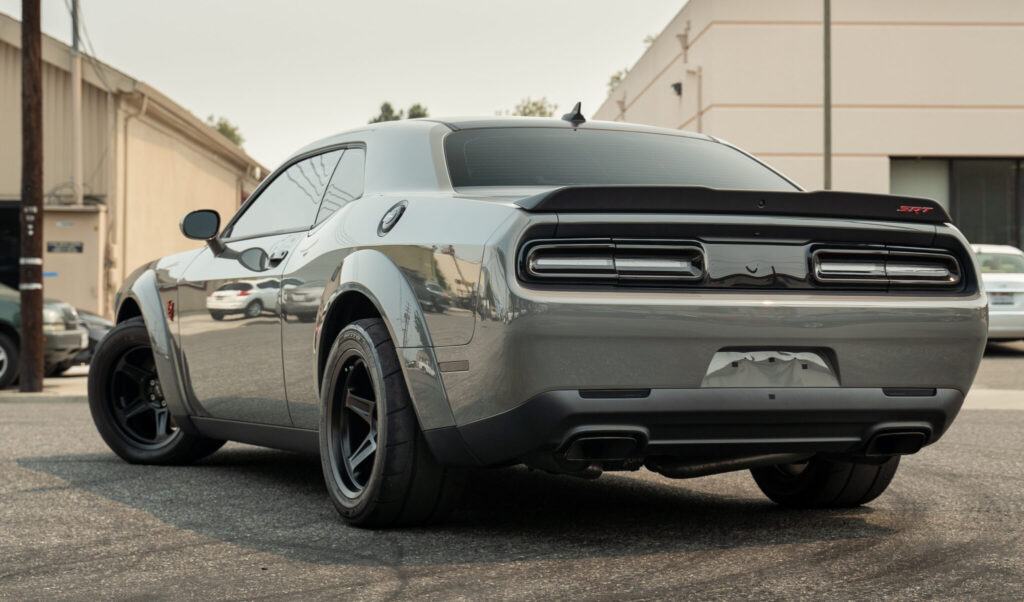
(926, 96)
(146, 162)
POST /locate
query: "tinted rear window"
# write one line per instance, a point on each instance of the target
(565, 157)
(236, 286)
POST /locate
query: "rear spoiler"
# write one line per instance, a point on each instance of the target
(699, 199)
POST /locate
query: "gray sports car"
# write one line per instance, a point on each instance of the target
(615, 297)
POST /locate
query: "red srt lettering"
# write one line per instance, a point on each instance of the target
(913, 209)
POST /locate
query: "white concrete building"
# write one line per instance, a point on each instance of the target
(927, 96)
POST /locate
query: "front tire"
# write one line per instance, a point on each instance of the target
(127, 405)
(822, 483)
(9, 365)
(376, 463)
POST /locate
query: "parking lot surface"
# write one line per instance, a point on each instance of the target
(247, 523)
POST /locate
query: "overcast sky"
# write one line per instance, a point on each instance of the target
(290, 72)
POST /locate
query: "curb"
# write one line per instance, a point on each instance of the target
(41, 398)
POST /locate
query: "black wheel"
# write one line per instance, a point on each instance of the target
(254, 309)
(8, 361)
(821, 483)
(217, 315)
(127, 402)
(378, 468)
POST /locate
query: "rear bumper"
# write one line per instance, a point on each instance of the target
(703, 423)
(1005, 324)
(64, 344)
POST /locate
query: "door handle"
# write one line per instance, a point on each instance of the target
(277, 256)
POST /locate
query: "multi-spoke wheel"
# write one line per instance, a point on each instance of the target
(254, 309)
(137, 401)
(355, 428)
(128, 406)
(8, 360)
(378, 468)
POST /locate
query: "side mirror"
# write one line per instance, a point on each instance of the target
(255, 259)
(201, 225)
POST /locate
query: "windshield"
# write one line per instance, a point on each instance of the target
(564, 157)
(1001, 263)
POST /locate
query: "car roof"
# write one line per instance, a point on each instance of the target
(476, 122)
(997, 249)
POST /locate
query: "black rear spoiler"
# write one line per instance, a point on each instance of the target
(699, 199)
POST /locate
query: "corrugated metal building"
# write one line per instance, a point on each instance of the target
(146, 162)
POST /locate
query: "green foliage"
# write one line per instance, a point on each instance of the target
(616, 79)
(529, 107)
(387, 113)
(226, 129)
(417, 110)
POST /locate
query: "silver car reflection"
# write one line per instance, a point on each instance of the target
(577, 296)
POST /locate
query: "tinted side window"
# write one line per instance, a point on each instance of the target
(346, 185)
(290, 202)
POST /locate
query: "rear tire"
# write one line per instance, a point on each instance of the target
(821, 483)
(9, 364)
(376, 463)
(254, 309)
(126, 402)
(216, 315)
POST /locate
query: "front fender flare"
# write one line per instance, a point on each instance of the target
(144, 290)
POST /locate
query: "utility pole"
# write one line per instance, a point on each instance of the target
(76, 108)
(31, 262)
(827, 104)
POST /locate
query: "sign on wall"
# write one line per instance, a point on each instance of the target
(63, 247)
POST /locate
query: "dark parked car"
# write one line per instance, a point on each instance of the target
(63, 336)
(98, 327)
(645, 298)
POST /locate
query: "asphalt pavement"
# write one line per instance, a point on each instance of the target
(250, 523)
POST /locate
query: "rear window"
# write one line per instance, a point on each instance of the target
(236, 286)
(565, 157)
(1001, 263)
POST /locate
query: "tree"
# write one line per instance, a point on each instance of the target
(226, 129)
(417, 110)
(529, 107)
(616, 79)
(387, 113)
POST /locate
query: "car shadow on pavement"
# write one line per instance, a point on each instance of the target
(275, 502)
(1004, 349)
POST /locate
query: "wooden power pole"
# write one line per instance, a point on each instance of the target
(31, 282)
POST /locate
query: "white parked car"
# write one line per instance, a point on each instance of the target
(1002, 271)
(247, 297)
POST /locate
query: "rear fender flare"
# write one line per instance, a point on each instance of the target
(374, 275)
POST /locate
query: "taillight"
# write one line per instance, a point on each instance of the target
(614, 260)
(243, 293)
(885, 267)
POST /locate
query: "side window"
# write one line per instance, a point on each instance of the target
(346, 185)
(290, 202)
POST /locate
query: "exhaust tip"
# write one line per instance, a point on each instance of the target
(606, 448)
(894, 443)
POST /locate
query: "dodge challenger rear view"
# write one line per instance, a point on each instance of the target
(575, 296)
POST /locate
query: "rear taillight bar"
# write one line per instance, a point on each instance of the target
(612, 261)
(885, 266)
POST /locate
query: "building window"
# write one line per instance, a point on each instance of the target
(985, 197)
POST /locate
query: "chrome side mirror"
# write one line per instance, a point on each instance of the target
(201, 225)
(255, 259)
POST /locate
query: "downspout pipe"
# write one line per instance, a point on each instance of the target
(124, 176)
